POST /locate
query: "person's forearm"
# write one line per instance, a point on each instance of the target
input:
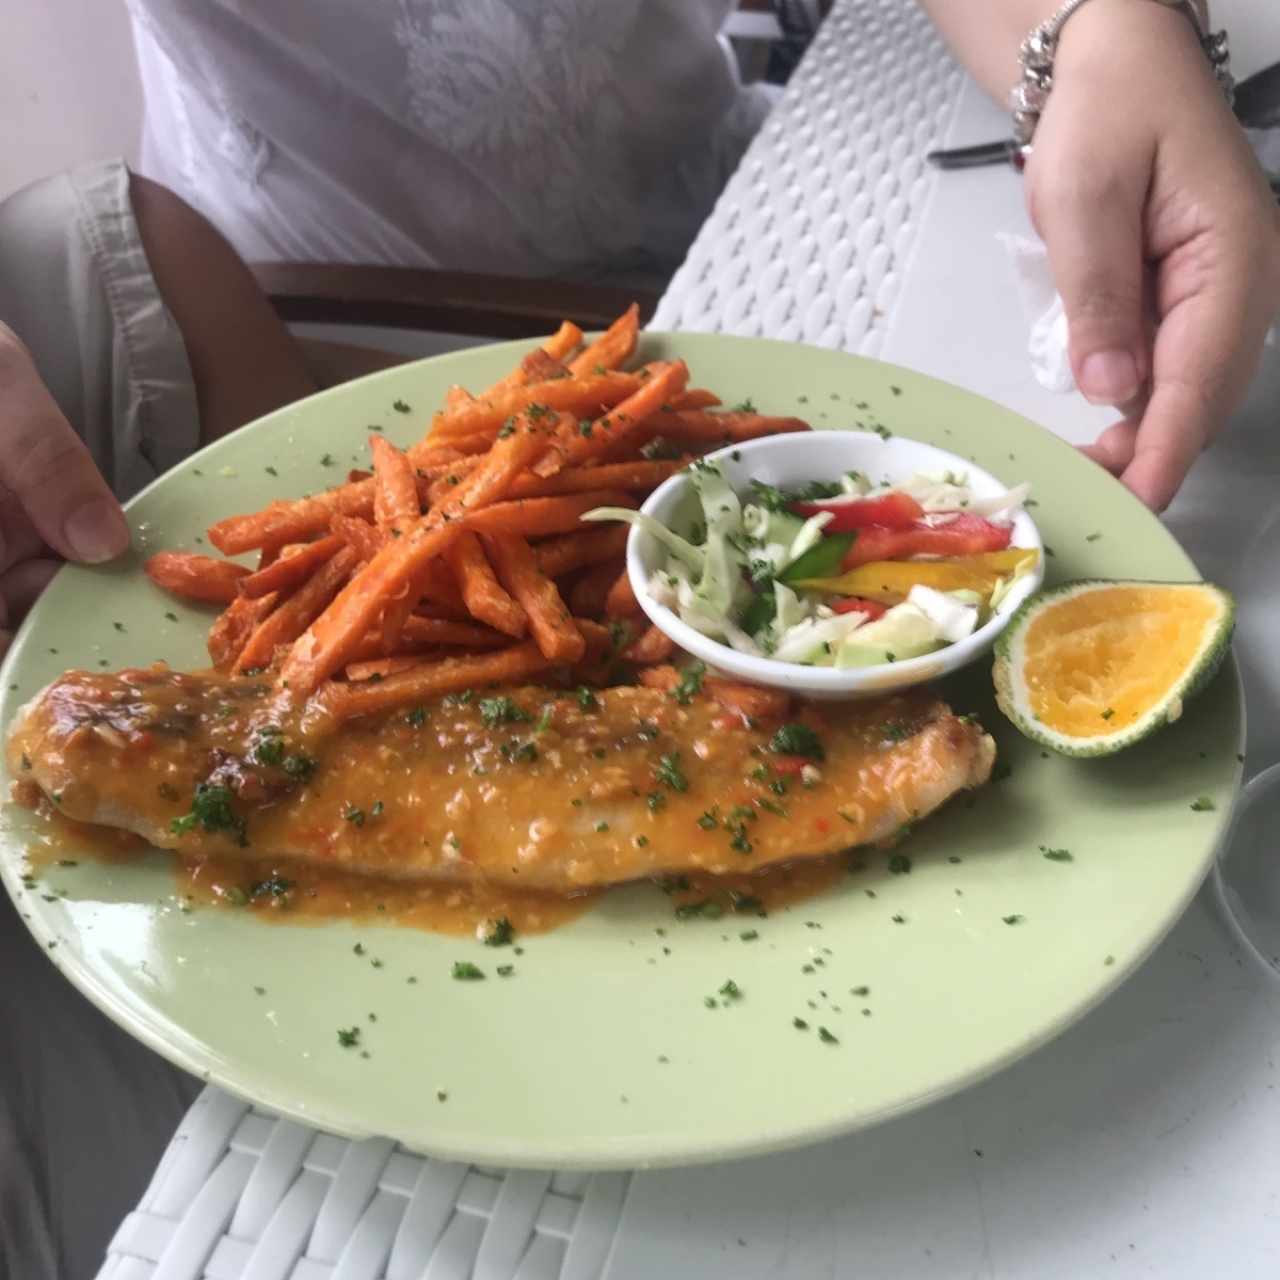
(986, 34)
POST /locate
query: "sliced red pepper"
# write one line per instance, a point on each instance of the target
(966, 535)
(891, 511)
(857, 604)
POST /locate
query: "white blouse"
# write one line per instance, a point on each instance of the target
(577, 138)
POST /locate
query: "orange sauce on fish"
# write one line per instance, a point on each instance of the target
(290, 893)
(284, 892)
(61, 840)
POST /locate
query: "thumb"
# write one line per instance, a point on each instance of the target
(48, 470)
(1092, 229)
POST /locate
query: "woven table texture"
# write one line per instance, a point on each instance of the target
(810, 236)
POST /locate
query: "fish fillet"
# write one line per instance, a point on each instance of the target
(530, 787)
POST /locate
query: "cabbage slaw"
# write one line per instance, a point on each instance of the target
(755, 572)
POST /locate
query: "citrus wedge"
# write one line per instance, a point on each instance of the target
(1091, 667)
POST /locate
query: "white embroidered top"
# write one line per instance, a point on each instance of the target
(578, 138)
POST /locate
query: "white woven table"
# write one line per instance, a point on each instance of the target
(1144, 1142)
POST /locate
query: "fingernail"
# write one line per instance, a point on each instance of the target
(97, 531)
(1109, 377)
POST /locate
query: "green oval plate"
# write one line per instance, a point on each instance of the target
(601, 1051)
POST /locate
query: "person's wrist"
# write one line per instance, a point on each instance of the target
(1104, 34)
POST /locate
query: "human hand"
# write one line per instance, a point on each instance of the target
(54, 504)
(1162, 235)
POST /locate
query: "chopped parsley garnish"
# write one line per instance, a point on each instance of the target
(827, 1037)
(1202, 804)
(1057, 855)
(896, 731)
(655, 800)
(506, 970)
(749, 935)
(271, 471)
(399, 406)
(465, 971)
(670, 772)
(745, 407)
(1013, 919)
(348, 1037)
(709, 821)
(299, 767)
(800, 1024)
(417, 717)
(173, 617)
(519, 752)
(499, 711)
(1108, 713)
(354, 815)
(690, 683)
(544, 720)
(707, 908)
(508, 428)
(327, 460)
(501, 933)
(730, 990)
(738, 841)
(769, 496)
(586, 699)
(899, 864)
(376, 811)
(602, 826)
(619, 635)
(797, 740)
(269, 749)
(211, 811)
(272, 887)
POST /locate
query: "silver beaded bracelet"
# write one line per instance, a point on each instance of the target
(1030, 94)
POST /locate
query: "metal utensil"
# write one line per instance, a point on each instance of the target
(1257, 106)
